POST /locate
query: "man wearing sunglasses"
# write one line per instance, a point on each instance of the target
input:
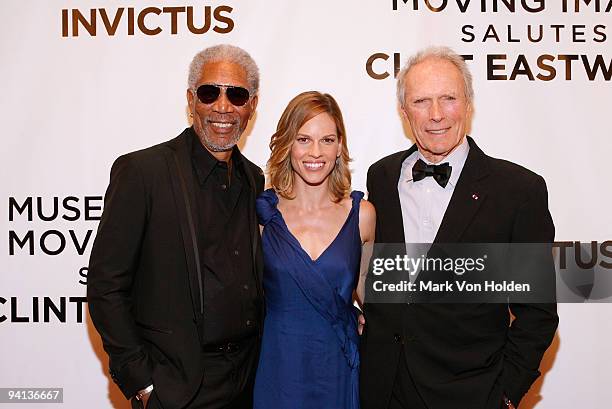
(174, 285)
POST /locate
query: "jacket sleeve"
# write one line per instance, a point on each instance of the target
(260, 180)
(534, 325)
(373, 177)
(112, 268)
(370, 185)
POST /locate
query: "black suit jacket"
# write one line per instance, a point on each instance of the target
(144, 284)
(464, 356)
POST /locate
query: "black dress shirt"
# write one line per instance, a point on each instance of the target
(223, 196)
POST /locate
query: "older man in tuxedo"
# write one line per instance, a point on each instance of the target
(174, 284)
(444, 189)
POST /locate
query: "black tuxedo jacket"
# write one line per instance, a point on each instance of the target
(144, 286)
(462, 356)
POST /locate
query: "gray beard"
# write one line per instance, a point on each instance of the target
(213, 147)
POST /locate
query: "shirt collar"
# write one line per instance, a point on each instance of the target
(456, 159)
(204, 162)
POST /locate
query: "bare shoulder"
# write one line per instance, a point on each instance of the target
(367, 211)
(367, 221)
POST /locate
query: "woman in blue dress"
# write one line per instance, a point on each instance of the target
(313, 231)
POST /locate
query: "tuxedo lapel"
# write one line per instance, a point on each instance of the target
(467, 197)
(178, 160)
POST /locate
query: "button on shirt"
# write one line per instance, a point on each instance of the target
(424, 202)
(231, 300)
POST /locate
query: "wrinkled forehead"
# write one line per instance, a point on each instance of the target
(223, 72)
(434, 76)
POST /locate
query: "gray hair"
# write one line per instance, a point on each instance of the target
(444, 53)
(228, 53)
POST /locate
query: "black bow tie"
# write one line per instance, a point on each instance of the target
(441, 173)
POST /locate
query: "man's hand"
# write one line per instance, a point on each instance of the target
(145, 399)
(143, 396)
(361, 323)
(508, 404)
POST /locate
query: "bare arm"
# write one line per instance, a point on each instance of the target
(367, 227)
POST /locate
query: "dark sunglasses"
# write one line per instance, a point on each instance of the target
(209, 93)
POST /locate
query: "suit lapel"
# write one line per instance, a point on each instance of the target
(178, 160)
(467, 198)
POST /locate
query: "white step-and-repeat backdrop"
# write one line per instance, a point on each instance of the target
(85, 81)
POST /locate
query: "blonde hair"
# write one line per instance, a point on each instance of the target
(300, 110)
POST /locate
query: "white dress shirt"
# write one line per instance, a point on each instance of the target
(424, 202)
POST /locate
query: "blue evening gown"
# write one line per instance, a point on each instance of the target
(309, 356)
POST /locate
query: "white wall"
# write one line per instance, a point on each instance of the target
(70, 105)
